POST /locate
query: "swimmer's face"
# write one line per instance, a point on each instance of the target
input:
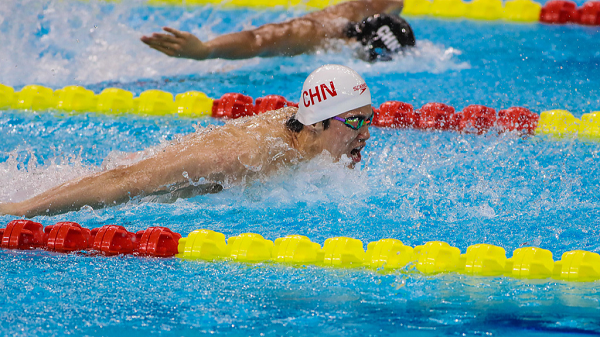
(339, 139)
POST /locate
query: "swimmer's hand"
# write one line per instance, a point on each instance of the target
(177, 44)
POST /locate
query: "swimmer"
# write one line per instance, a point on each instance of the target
(373, 23)
(333, 117)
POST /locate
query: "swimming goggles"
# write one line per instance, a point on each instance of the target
(355, 122)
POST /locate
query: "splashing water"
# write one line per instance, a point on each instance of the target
(412, 185)
(64, 43)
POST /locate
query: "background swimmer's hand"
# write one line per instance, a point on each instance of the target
(177, 44)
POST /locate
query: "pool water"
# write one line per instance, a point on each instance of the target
(415, 186)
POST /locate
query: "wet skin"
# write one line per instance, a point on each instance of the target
(239, 151)
(293, 37)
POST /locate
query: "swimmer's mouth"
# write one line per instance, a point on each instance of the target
(355, 153)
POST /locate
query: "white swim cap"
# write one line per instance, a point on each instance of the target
(329, 91)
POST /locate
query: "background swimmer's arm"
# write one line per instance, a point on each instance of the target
(155, 174)
(287, 38)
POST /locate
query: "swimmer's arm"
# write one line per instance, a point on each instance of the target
(287, 38)
(121, 184)
(278, 39)
(98, 190)
(178, 44)
(5, 209)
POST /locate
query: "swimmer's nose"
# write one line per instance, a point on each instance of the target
(364, 134)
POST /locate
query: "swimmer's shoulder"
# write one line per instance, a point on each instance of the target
(271, 124)
(349, 10)
(357, 10)
(269, 121)
(272, 118)
(281, 115)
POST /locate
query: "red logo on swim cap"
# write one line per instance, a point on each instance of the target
(309, 97)
(361, 87)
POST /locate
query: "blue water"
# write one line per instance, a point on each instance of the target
(412, 185)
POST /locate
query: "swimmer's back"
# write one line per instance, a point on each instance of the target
(259, 144)
(270, 124)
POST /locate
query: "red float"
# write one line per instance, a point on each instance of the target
(559, 11)
(394, 114)
(233, 105)
(477, 118)
(589, 13)
(65, 237)
(270, 103)
(157, 241)
(113, 240)
(517, 119)
(437, 116)
(22, 234)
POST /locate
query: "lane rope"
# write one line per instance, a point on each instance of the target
(477, 119)
(386, 255)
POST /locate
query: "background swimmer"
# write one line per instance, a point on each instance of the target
(334, 116)
(366, 21)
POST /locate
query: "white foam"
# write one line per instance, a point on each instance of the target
(426, 56)
(19, 182)
(87, 43)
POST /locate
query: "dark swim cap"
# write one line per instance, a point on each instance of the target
(382, 35)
